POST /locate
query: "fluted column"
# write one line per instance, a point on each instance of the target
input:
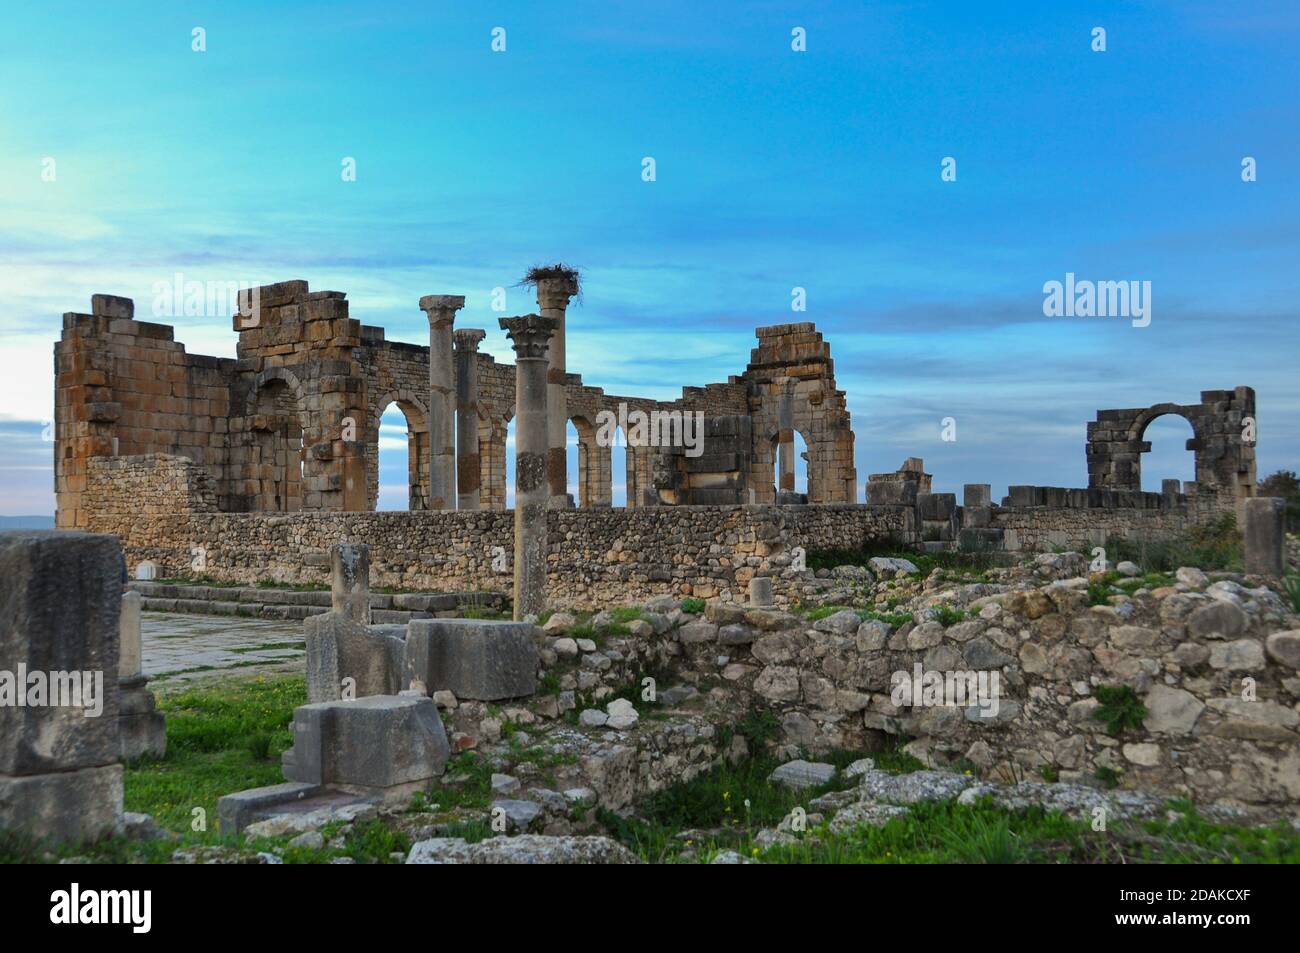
(553, 294)
(530, 335)
(441, 311)
(469, 477)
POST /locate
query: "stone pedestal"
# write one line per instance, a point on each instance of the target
(468, 470)
(60, 604)
(441, 312)
(1264, 535)
(142, 727)
(553, 294)
(760, 591)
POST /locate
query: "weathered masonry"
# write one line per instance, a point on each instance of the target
(292, 423)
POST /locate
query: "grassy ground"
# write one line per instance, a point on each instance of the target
(221, 737)
(726, 808)
(228, 736)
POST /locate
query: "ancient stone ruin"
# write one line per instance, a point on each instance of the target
(195, 462)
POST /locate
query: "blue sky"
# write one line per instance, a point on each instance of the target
(775, 169)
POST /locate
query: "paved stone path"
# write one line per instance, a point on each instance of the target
(184, 648)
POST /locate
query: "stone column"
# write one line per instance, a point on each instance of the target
(468, 475)
(1265, 535)
(441, 311)
(530, 335)
(553, 296)
(350, 581)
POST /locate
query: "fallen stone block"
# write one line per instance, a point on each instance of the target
(387, 745)
(803, 774)
(65, 806)
(477, 659)
(524, 849)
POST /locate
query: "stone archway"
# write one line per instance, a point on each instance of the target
(417, 449)
(595, 472)
(272, 475)
(492, 433)
(1223, 443)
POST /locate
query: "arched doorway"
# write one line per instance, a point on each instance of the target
(1171, 442)
(401, 447)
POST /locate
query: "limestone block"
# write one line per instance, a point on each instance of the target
(1265, 535)
(339, 647)
(60, 600)
(382, 741)
(477, 659)
(84, 804)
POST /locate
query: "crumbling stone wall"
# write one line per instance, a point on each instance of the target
(125, 387)
(292, 425)
(156, 484)
(595, 557)
(1217, 679)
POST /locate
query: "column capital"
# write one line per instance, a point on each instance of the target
(441, 308)
(530, 334)
(554, 293)
(555, 285)
(467, 339)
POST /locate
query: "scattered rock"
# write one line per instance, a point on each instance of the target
(803, 774)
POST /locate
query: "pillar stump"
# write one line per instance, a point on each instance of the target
(1264, 535)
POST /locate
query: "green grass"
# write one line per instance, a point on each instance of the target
(214, 738)
(1291, 586)
(1212, 545)
(894, 619)
(947, 615)
(982, 834)
(693, 606)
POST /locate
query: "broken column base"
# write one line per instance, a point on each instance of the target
(142, 727)
(66, 806)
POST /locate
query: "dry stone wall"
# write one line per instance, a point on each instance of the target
(1212, 665)
(595, 557)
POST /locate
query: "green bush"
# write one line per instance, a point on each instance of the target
(1120, 708)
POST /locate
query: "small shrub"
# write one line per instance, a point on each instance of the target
(947, 615)
(1098, 594)
(1120, 708)
(758, 727)
(693, 606)
(1109, 777)
(1050, 772)
(259, 746)
(1291, 585)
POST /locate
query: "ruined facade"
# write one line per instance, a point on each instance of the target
(291, 424)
